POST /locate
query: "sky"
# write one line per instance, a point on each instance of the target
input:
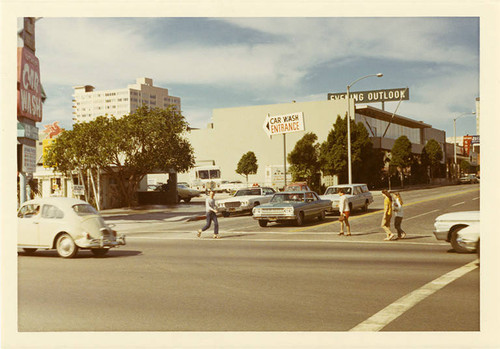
(233, 62)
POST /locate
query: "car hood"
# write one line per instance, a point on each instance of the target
(460, 216)
(240, 198)
(279, 205)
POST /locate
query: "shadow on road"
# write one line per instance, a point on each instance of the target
(82, 254)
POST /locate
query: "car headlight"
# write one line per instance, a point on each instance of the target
(257, 210)
(289, 210)
(245, 203)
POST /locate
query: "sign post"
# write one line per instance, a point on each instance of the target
(283, 124)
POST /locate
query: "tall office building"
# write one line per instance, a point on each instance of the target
(89, 104)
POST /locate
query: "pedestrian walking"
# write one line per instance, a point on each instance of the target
(211, 211)
(397, 206)
(344, 212)
(386, 219)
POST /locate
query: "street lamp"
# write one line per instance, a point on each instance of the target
(349, 122)
(455, 138)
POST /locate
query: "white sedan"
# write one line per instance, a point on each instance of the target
(460, 229)
(64, 224)
(244, 200)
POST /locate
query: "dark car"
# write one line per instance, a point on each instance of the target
(295, 206)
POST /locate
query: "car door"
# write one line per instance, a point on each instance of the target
(28, 220)
(50, 224)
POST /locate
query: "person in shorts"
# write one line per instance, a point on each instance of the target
(344, 212)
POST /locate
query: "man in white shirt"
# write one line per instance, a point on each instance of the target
(211, 211)
(344, 212)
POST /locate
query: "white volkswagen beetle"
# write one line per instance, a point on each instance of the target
(64, 224)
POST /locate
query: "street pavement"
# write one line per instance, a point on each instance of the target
(278, 278)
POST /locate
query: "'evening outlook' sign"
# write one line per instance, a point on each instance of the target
(390, 95)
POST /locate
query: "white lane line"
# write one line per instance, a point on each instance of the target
(420, 215)
(208, 237)
(459, 203)
(476, 198)
(396, 309)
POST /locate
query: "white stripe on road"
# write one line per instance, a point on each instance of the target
(396, 309)
(420, 215)
(459, 203)
(228, 237)
(476, 198)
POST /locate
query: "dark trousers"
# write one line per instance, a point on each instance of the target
(212, 216)
(397, 225)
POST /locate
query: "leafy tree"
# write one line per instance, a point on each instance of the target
(433, 154)
(247, 165)
(366, 161)
(465, 166)
(303, 159)
(127, 149)
(401, 156)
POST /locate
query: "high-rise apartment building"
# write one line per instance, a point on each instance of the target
(89, 104)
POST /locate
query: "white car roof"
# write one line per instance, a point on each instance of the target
(56, 200)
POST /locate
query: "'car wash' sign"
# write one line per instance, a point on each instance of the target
(29, 90)
(280, 124)
(390, 95)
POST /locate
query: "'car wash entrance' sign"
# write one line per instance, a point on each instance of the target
(391, 95)
(281, 124)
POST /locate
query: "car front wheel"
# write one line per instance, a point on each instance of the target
(66, 247)
(300, 219)
(457, 245)
(29, 250)
(322, 215)
(263, 223)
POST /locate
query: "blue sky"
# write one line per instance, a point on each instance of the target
(228, 62)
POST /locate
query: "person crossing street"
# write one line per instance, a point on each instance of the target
(211, 211)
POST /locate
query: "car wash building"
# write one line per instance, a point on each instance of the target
(236, 131)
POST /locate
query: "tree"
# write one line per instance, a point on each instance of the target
(401, 156)
(433, 154)
(247, 165)
(465, 166)
(148, 140)
(367, 162)
(303, 159)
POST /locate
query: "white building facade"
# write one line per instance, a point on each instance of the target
(235, 131)
(89, 103)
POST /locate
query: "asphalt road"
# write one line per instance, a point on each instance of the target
(278, 278)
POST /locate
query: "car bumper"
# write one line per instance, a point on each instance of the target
(274, 218)
(234, 209)
(441, 235)
(101, 243)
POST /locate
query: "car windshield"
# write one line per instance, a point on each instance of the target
(337, 190)
(84, 210)
(288, 197)
(245, 192)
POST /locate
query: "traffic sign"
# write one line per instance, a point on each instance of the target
(281, 124)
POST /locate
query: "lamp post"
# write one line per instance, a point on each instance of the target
(349, 166)
(455, 139)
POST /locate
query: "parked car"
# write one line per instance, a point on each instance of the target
(358, 196)
(469, 179)
(64, 224)
(291, 206)
(186, 194)
(449, 226)
(231, 186)
(297, 186)
(244, 200)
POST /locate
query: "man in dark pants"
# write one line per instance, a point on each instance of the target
(211, 211)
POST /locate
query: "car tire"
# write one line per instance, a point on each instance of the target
(99, 252)
(457, 246)
(187, 200)
(263, 223)
(66, 247)
(350, 206)
(300, 219)
(29, 251)
(365, 207)
(322, 215)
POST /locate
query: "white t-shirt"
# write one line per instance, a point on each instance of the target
(397, 207)
(343, 204)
